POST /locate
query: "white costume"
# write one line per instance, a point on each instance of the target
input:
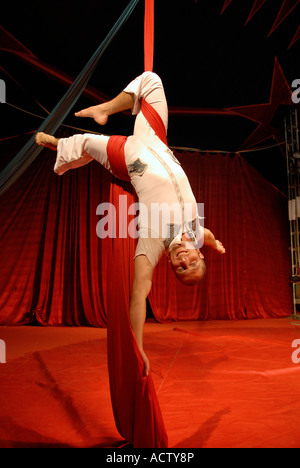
(158, 178)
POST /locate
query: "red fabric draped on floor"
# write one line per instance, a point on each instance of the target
(136, 409)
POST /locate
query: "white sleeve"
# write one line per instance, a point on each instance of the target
(151, 248)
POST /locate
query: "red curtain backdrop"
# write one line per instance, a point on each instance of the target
(250, 217)
(54, 267)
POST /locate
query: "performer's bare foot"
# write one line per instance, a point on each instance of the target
(101, 112)
(49, 141)
(95, 112)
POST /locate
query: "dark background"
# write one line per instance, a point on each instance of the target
(206, 60)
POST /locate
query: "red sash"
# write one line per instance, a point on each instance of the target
(116, 156)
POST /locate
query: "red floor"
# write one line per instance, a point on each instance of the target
(219, 384)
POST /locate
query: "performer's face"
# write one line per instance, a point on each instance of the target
(187, 263)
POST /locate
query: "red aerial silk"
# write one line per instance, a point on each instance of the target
(135, 405)
(154, 120)
(149, 35)
(134, 401)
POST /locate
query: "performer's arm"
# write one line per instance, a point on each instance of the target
(210, 240)
(142, 282)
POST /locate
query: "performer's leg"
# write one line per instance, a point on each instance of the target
(76, 151)
(148, 86)
(101, 112)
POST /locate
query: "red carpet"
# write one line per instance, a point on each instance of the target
(219, 384)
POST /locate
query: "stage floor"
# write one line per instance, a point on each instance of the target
(220, 384)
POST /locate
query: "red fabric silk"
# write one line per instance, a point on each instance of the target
(154, 120)
(116, 156)
(135, 406)
(149, 35)
(136, 409)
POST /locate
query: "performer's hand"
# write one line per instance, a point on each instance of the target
(219, 247)
(146, 362)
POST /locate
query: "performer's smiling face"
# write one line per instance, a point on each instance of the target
(187, 263)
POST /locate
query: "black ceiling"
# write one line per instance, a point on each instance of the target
(205, 59)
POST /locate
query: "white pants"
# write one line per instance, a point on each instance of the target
(79, 150)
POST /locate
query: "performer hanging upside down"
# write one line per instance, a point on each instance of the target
(159, 181)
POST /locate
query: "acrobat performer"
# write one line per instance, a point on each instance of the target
(145, 160)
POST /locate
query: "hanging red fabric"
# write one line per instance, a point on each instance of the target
(134, 401)
(135, 404)
(154, 121)
(149, 35)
